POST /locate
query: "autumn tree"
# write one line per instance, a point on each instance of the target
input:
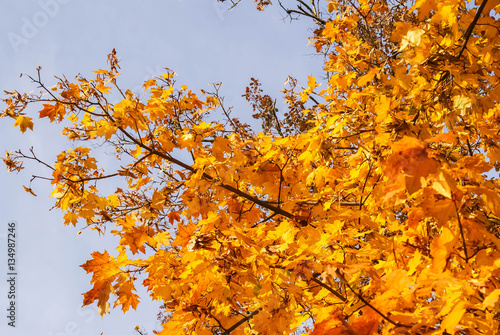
(371, 206)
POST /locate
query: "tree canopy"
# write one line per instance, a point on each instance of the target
(371, 206)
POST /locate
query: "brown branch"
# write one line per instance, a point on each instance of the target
(206, 176)
(34, 158)
(468, 33)
(335, 293)
(360, 297)
(242, 321)
(278, 126)
(461, 232)
(470, 148)
(33, 177)
(220, 324)
(302, 11)
(91, 178)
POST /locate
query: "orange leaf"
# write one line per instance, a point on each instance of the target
(102, 265)
(363, 80)
(124, 289)
(53, 111)
(100, 291)
(410, 158)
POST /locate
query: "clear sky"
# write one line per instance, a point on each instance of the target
(198, 39)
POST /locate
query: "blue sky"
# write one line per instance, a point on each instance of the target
(198, 39)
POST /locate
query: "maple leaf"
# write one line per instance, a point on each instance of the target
(102, 88)
(53, 112)
(408, 163)
(333, 326)
(124, 288)
(412, 38)
(105, 270)
(23, 122)
(101, 292)
(72, 92)
(362, 81)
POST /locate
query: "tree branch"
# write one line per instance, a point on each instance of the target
(468, 33)
(335, 293)
(360, 297)
(242, 321)
(206, 176)
(461, 232)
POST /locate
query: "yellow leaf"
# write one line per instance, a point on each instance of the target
(126, 297)
(147, 84)
(414, 262)
(162, 238)
(412, 39)
(286, 231)
(462, 103)
(101, 71)
(137, 152)
(102, 88)
(168, 75)
(73, 118)
(24, 122)
(443, 184)
(441, 248)
(72, 218)
(491, 299)
(102, 263)
(451, 321)
(424, 7)
(383, 108)
(100, 292)
(105, 269)
(410, 157)
(311, 83)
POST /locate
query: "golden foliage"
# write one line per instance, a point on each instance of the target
(370, 208)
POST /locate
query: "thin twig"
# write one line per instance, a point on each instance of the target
(34, 158)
